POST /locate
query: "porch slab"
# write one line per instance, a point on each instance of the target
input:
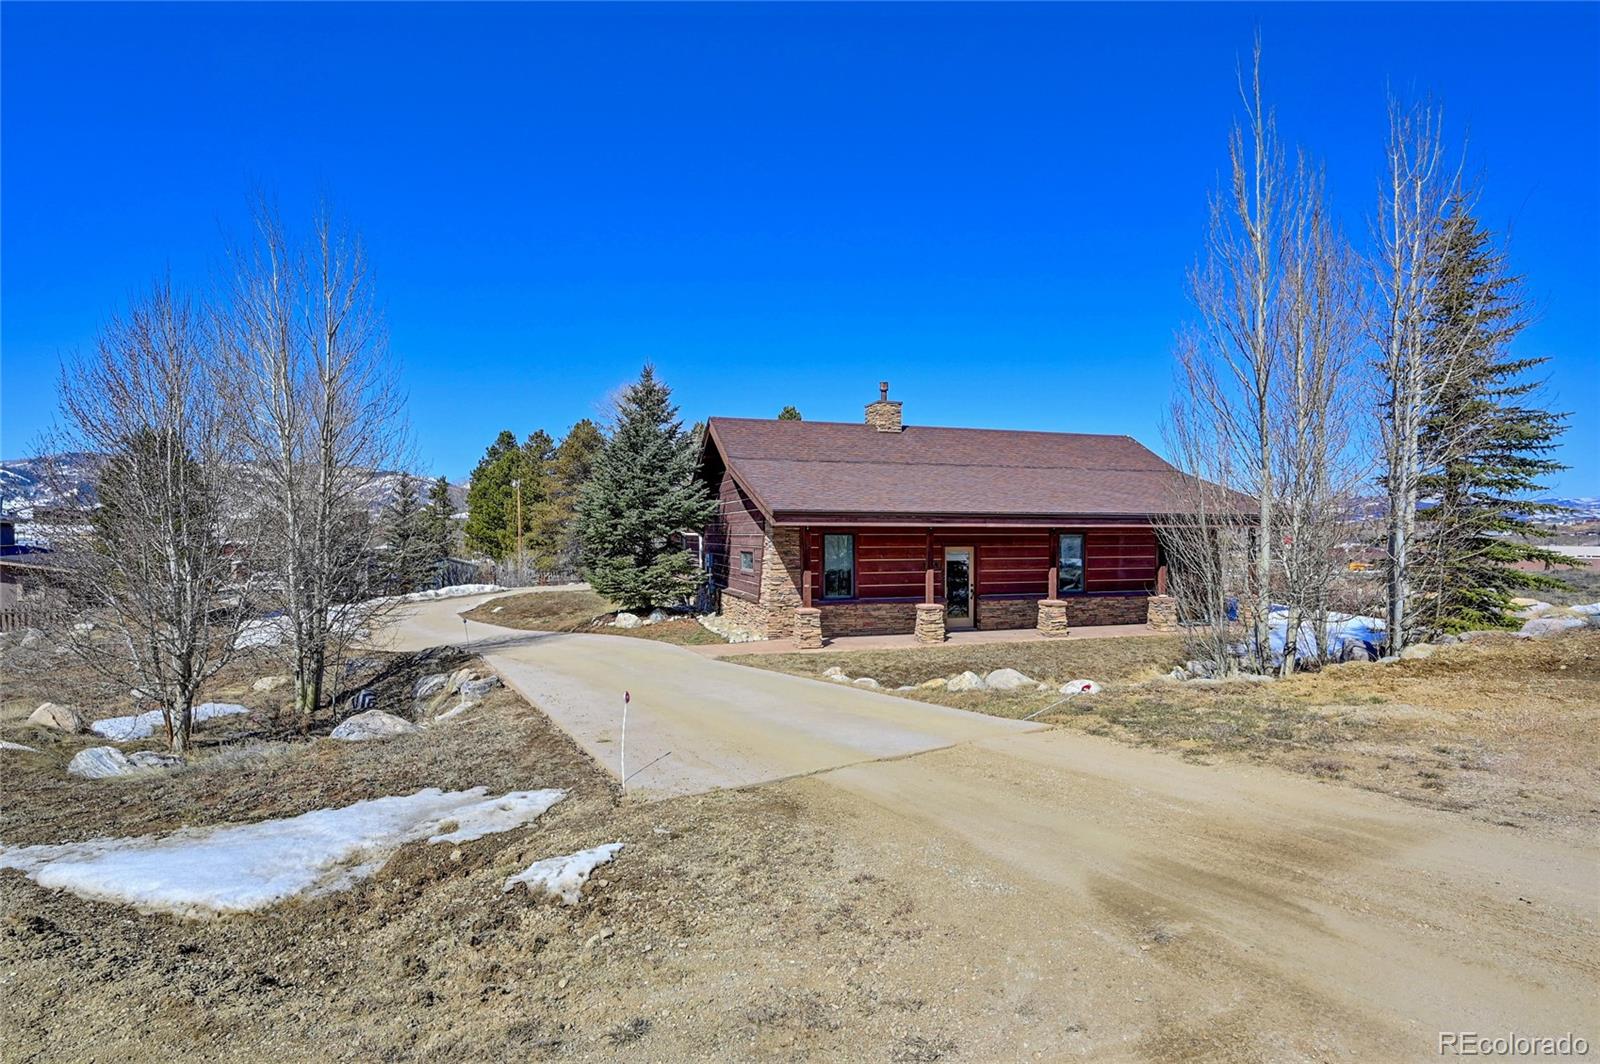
(908, 641)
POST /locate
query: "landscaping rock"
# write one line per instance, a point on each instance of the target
(1543, 626)
(967, 681)
(373, 724)
(656, 617)
(865, 681)
(1486, 633)
(459, 677)
(154, 759)
(30, 637)
(938, 683)
(1204, 670)
(429, 686)
(98, 763)
(7, 744)
(269, 683)
(1417, 652)
(1006, 680)
(1080, 687)
(476, 689)
(627, 620)
(836, 674)
(59, 717)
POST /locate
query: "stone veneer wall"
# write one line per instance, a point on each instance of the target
(868, 618)
(747, 616)
(1086, 610)
(1006, 613)
(780, 581)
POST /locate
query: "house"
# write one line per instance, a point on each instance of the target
(827, 528)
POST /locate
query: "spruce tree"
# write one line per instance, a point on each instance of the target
(643, 489)
(491, 495)
(789, 413)
(406, 559)
(554, 526)
(1484, 448)
(438, 521)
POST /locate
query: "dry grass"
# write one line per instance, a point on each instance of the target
(582, 611)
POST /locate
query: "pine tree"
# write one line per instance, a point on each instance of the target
(789, 413)
(491, 495)
(438, 522)
(643, 489)
(554, 525)
(406, 560)
(1483, 448)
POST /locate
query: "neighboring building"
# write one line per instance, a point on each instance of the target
(837, 529)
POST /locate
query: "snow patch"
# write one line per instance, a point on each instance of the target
(563, 877)
(200, 872)
(140, 726)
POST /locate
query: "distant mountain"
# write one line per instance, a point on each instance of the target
(27, 483)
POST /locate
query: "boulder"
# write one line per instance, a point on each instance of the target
(656, 617)
(269, 683)
(836, 674)
(865, 681)
(98, 763)
(1201, 669)
(373, 724)
(30, 637)
(430, 685)
(966, 681)
(1543, 626)
(1417, 652)
(476, 689)
(459, 677)
(1006, 680)
(1080, 687)
(1487, 633)
(154, 759)
(59, 717)
(938, 683)
(627, 620)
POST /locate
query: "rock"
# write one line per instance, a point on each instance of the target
(1447, 640)
(1488, 633)
(1417, 652)
(365, 698)
(459, 677)
(656, 617)
(373, 724)
(836, 674)
(627, 620)
(1080, 687)
(30, 637)
(1006, 680)
(1204, 670)
(966, 681)
(1543, 626)
(98, 763)
(154, 759)
(938, 683)
(1178, 673)
(476, 689)
(865, 681)
(906, 687)
(59, 717)
(429, 686)
(269, 683)
(1253, 677)
(7, 744)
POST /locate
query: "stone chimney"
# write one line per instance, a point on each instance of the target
(884, 415)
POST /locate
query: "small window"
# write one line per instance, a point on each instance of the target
(747, 561)
(838, 567)
(1069, 562)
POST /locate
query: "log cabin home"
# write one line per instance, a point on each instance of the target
(828, 528)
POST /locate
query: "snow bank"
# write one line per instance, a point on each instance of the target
(200, 872)
(127, 729)
(1348, 635)
(563, 877)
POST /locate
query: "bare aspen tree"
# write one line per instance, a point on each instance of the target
(1410, 225)
(144, 557)
(314, 402)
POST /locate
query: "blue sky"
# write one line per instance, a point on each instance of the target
(991, 206)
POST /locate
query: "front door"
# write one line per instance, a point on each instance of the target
(958, 587)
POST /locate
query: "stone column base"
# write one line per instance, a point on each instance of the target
(808, 628)
(930, 622)
(1053, 618)
(1162, 611)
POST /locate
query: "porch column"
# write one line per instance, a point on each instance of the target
(1052, 609)
(927, 566)
(805, 567)
(807, 619)
(1161, 609)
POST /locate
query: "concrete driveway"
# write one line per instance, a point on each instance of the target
(694, 724)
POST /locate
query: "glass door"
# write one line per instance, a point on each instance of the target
(958, 587)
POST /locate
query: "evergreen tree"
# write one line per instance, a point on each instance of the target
(789, 413)
(643, 489)
(438, 522)
(406, 561)
(491, 495)
(554, 527)
(1484, 449)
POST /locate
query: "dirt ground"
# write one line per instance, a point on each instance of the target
(1506, 729)
(581, 611)
(1043, 896)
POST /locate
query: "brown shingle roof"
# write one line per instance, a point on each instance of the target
(799, 468)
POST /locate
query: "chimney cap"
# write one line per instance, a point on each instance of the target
(883, 391)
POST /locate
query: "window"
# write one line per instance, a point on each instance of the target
(747, 561)
(1069, 562)
(838, 567)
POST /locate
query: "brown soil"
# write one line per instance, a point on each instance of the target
(583, 611)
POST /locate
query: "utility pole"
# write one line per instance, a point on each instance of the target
(516, 486)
